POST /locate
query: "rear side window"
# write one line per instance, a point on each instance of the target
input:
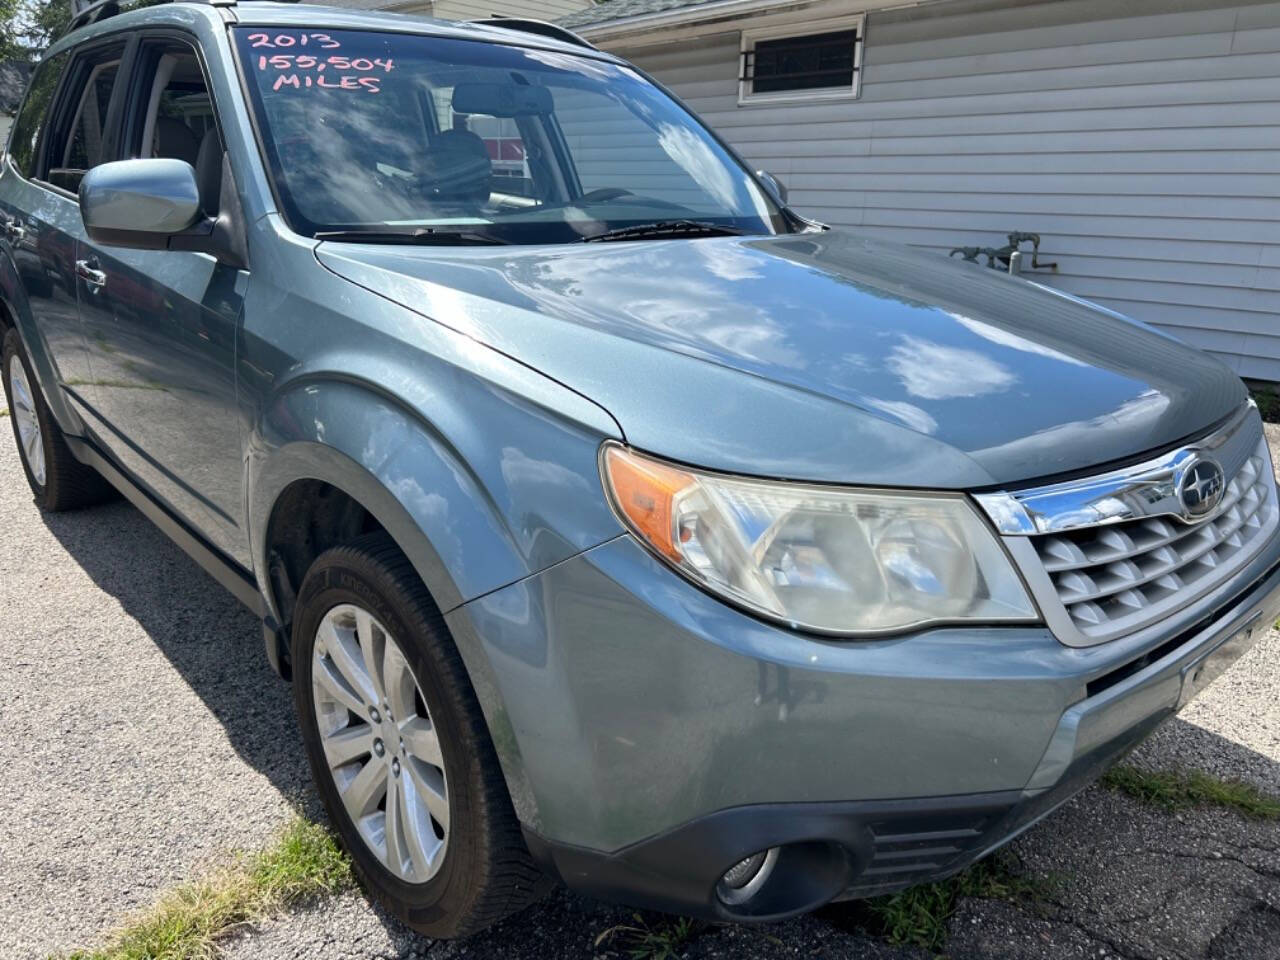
(85, 149)
(31, 119)
(77, 137)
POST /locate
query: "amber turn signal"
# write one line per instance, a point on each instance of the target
(643, 492)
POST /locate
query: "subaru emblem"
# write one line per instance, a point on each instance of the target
(1201, 489)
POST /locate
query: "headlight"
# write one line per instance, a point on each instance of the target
(826, 559)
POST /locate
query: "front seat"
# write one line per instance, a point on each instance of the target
(458, 169)
(173, 139)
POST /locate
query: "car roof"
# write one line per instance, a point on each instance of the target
(265, 13)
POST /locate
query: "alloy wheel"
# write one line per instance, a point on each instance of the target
(380, 743)
(24, 417)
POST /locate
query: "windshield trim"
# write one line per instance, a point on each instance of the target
(792, 222)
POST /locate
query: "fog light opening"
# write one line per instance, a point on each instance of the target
(744, 879)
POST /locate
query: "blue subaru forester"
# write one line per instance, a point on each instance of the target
(614, 523)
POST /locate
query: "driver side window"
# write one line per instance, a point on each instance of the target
(172, 115)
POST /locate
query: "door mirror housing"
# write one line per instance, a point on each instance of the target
(776, 187)
(139, 203)
(154, 204)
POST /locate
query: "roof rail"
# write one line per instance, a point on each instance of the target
(84, 12)
(91, 11)
(540, 27)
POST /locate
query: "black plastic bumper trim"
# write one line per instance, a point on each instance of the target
(677, 871)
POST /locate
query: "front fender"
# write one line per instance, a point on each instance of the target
(482, 469)
(513, 494)
(474, 509)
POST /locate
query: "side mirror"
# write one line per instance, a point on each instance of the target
(775, 186)
(155, 205)
(140, 203)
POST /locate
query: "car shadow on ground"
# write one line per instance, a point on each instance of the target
(1098, 842)
(213, 642)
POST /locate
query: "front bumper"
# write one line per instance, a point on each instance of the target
(652, 737)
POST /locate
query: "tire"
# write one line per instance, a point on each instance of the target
(484, 871)
(58, 480)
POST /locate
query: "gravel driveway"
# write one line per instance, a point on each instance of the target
(145, 738)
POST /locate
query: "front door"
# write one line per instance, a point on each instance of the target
(161, 325)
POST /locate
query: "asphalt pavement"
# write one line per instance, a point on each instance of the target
(145, 739)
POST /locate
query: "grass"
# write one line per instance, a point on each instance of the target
(1268, 401)
(1175, 790)
(645, 940)
(305, 863)
(915, 917)
(918, 915)
(188, 921)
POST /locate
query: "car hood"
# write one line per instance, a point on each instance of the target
(823, 357)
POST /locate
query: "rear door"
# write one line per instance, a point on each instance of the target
(64, 129)
(161, 324)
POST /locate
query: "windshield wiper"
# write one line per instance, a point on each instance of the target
(422, 235)
(665, 228)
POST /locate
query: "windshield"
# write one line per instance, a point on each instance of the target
(389, 134)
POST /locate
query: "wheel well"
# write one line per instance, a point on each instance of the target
(309, 517)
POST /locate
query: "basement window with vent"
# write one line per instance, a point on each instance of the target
(801, 61)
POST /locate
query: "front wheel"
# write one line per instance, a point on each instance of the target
(399, 748)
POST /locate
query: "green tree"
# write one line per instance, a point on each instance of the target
(41, 21)
(29, 26)
(11, 17)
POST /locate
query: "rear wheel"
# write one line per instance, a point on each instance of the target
(399, 748)
(57, 479)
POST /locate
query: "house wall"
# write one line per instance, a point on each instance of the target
(1140, 139)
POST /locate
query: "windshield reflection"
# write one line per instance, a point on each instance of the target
(385, 136)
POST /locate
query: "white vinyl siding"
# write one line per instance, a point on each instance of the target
(1141, 140)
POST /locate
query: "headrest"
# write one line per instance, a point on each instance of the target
(458, 167)
(174, 140)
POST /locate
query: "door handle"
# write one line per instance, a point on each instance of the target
(14, 230)
(87, 270)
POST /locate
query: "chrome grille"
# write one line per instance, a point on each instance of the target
(1115, 553)
(1118, 575)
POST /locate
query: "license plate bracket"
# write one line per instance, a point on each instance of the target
(1209, 666)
